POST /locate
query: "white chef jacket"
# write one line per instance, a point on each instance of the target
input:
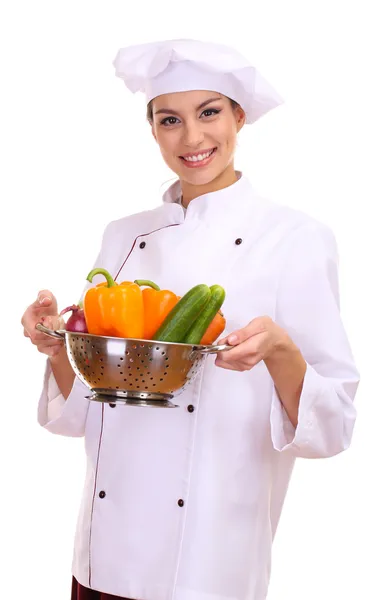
(183, 504)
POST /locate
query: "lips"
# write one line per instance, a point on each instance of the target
(200, 159)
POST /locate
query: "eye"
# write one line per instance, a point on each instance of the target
(169, 121)
(209, 112)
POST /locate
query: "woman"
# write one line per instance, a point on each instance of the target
(184, 503)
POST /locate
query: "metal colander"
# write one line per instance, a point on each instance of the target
(131, 371)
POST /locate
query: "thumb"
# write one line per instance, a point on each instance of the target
(232, 339)
(46, 300)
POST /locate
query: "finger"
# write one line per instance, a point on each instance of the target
(45, 300)
(49, 350)
(250, 349)
(227, 366)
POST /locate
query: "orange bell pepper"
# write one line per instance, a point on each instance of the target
(112, 309)
(216, 327)
(157, 305)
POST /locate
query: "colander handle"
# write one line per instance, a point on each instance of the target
(59, 333)
(215, 349)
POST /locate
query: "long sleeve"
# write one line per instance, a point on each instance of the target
(308, 309)
(55, 413)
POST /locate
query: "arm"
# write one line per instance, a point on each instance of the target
(305, 350)
(313, 416)
(63, 406)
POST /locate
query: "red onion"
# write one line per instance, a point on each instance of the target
(76, 321)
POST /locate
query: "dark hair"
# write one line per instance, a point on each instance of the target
(149, 109)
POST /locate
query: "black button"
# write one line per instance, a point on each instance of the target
(191, 408)
(238, 241)
(112, 405)
(180, 502)
(142, 245)
(102, 494)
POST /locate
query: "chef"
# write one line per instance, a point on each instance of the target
(183, 504)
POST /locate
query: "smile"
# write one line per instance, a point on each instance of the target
(199, 159)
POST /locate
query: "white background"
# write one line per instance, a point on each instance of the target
(76, 153)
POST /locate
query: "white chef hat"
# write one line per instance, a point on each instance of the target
(181, 65)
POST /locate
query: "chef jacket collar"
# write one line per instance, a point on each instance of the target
(219, 205)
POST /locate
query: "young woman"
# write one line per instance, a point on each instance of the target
(183, 504)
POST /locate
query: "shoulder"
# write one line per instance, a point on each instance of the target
(295, 229)
(132, 223)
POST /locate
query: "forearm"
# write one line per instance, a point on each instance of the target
(287, 367)
(63, 372)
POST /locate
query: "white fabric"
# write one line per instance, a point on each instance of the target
(231, 459)
(182, 65)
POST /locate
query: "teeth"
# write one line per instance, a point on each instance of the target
(198, 157)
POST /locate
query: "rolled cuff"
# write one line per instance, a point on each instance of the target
(59, 415)
(326, 418)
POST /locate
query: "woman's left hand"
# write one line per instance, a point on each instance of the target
(259, 340)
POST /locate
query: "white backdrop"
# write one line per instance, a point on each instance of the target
(76, 153)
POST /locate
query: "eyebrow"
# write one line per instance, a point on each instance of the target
(169, 111)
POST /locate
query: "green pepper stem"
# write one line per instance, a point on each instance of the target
(104, 272)
(148, 283)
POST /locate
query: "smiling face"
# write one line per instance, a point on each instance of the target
(197, 132)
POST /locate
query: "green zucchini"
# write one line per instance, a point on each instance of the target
(183, 315)
(206, 316)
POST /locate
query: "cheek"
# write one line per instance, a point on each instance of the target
(226, 136)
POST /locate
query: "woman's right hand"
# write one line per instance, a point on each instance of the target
(43, 310)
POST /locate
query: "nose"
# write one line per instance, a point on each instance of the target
(193, 134)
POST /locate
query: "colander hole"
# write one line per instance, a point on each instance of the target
(142, 361)
(146, 387)
(147, 354)
(162, 353)
(150, 359)
(82, 339)
(117, 387)
(142, 380)
(167, 358)
(161, 379)
(101, 360)
(93, 346)
(151, 379)
(131, 360)
(142, 345)
(138, 354)
(121, 372)
(134, 347)
(121, 358)
(102, 367)
(157, 347)
(97, 352)
(119, 365)
(125, 380)
(138, 368)
(167, 366)
(154, 384)
(127, 353)
(137, 380)
(165, 373)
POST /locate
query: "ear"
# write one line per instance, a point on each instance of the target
(154, 133)
(240, 118)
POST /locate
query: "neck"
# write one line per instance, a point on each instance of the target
(190, 191)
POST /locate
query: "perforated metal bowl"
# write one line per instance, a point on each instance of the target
(132, 371)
